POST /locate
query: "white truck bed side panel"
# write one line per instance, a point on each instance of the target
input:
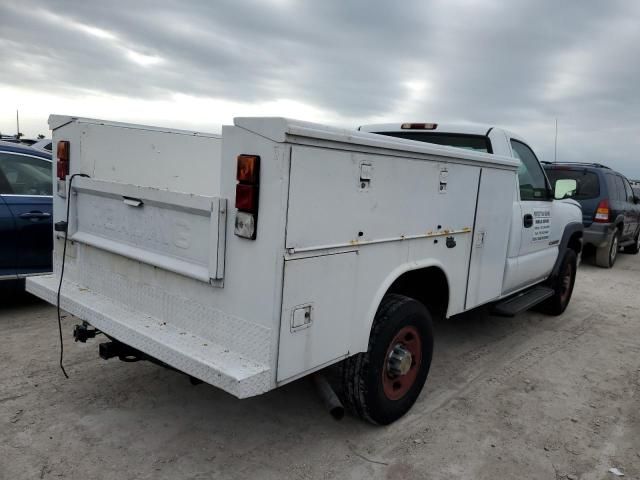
(400, 220)
(490, 237)
(332, 205)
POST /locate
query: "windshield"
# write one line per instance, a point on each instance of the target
(477, 143)
(586, 186)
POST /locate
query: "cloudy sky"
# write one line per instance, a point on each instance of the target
(519, 64)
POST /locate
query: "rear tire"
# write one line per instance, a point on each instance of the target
(606, 256)
(635, 248)
(382, 384)
(562, 286)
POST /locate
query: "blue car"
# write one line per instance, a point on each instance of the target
(26, 232)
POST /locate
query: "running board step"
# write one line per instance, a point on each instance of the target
(522, 301)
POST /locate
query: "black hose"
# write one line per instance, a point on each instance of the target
(64, 253)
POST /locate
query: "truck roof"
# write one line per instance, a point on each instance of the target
(282, 129)
(470, 129)
(459, 128)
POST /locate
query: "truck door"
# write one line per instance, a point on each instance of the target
(28, 198)
(496, 194)
(540, 236)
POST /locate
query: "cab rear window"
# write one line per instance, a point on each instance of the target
(477, 143)
(587, 183)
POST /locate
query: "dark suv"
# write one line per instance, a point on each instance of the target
(610, 209)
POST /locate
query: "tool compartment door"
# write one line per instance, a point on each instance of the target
(179, 232)
(496, 193)
(317, 305)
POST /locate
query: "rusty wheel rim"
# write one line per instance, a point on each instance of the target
(402, 363)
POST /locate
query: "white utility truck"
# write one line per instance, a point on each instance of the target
(254, 258)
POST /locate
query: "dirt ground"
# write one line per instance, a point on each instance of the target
(524, 397)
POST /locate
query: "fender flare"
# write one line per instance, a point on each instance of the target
(569, 230)
(391, 277)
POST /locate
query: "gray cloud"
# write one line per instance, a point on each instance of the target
(517, 64)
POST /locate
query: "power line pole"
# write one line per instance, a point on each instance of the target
(17, 125)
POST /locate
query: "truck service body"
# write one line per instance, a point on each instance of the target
(281, 247)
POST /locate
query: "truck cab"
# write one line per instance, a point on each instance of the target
(540, 224)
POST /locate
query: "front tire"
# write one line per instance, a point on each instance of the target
(606, 256)
(382, 384)
(562, 286)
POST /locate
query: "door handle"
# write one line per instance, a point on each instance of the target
(35, 215)
(528, 220)
(133, 202)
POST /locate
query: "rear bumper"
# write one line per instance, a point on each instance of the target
(198, 357)
(598, 234)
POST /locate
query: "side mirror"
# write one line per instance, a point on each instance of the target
(565, 188)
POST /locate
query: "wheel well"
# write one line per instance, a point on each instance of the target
(426, 285)
(575, 242)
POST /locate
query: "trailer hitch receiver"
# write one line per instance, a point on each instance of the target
(124, 352)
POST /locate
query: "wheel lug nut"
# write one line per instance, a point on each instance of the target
(399, 361)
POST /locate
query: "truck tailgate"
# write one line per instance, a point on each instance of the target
(180, 232)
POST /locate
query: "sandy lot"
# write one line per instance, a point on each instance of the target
(525, 397)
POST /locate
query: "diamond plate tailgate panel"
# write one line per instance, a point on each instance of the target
(201, 358)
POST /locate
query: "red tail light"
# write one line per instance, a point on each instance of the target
(247, 195)
(602, 212)
(247, 198)
(62, 164)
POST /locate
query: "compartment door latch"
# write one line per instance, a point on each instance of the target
(301, 317)
(366, 173)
